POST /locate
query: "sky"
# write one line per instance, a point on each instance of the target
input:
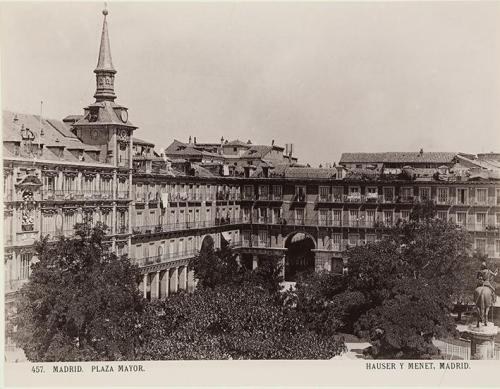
(328, 77)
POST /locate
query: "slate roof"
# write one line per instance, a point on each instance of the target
(108, 113)
(398, 157)
(180, 149)
(55, 133)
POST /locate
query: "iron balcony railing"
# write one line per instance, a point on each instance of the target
(165, 258)
(157, 228)
(68, 195)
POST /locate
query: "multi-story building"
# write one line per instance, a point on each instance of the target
(161, 206)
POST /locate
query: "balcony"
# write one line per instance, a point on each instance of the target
(165, 258)
(482, 227)
(178, 226)
(75, 195)
(248, 197)
(122, 194)
(223, 196)
(122, 230)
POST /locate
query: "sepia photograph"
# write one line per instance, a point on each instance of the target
(250, 181)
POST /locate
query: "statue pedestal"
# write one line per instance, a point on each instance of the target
(482, 340)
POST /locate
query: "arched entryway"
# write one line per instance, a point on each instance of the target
(299, 255)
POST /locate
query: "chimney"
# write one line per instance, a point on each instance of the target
(272, 142)
(286, 149)
(421, 152)
(194, 140)
(189, 139)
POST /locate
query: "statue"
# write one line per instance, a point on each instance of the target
(484, 294)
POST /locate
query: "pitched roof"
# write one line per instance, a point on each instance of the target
(238, 143)
(257, 151)
(180, 149)
(398, 157)
(108, 113)
(302, 172)
(138, 141)
(55, 132)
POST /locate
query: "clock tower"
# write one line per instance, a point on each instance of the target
(105, 124)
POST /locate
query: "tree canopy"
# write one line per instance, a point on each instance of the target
(81, 302)
(228, 322)
(398, 292)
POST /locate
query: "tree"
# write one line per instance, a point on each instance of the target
(80, 303)
(228, 322)
(398, 292)
(215, 267)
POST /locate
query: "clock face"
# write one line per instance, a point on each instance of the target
(123, 134)
(124, 115)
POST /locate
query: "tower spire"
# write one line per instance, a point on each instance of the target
(105, 72)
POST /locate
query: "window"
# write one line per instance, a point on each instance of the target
(353, 239)
(277, 215)
(337, 217)
(262, 215)
(248, 192)
(247, 238)
(388, 195)
(263, 192)
(481, 196)
(354, 190)
(299, 216)
(69, 184)
(24, 266)
(353, 217)
(388, 217)
(442, 215)
(405, 215)
(407, 194)
(246, 215)
(497, 219)
(481, 245)
(462, 218)
(370, 238)
(49, 183)
(370, 217)
(263, 237)
(139, 194)
(371, 193)
(442, 195)
(324, 193)
(498, 196)
(323, 217)
(425, 194)
(462, 196)
(300, 192)
(481, 219)
(277, 192)
(337, 193)
(336, 242)
(497, 247)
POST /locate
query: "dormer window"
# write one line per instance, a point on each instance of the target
(94, 113)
